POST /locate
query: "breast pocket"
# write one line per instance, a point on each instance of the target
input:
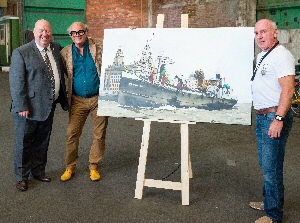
(31, 94)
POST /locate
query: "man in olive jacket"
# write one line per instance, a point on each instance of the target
(83, 62)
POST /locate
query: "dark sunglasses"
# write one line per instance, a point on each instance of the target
(79, 33)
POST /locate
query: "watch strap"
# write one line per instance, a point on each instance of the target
(279, 118)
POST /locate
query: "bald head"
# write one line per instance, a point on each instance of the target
(266, 34)
(43, 33)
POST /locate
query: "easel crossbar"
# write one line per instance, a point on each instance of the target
(162, 184)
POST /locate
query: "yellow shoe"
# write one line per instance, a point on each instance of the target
(94, 175)
(67, 175)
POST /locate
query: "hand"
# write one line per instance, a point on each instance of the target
(275, 129)
(24, 113)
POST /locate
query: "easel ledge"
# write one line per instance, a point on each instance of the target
(165, 120)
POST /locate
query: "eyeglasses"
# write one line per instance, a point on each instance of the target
(79, 33)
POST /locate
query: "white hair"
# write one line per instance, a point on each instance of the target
(85, 26)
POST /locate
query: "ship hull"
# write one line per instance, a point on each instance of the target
(137, 93)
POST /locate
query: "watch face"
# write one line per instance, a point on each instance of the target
(279, 118)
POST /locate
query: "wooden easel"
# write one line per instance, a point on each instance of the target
(186, 167)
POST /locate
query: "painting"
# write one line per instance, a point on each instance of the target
(178, 74)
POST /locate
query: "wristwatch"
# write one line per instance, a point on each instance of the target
(279, 118)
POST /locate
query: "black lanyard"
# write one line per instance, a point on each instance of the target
(261, 59)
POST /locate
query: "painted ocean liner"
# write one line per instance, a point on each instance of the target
(144, 84)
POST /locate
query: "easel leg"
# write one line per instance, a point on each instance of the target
(190, 165)
(185, 164)
(142, 161)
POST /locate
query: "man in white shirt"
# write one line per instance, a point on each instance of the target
(272, 92)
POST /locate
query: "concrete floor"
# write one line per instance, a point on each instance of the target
(224, 160)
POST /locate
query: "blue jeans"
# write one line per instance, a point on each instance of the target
(271, 153)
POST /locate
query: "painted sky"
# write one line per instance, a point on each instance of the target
(228, 51)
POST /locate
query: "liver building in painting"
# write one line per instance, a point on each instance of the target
(113, 73)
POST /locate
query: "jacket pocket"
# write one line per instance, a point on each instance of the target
(31, 94)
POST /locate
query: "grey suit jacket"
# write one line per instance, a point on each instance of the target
(30, 81)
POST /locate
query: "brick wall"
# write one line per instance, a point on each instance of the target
(202, 13)
(103, 14)
(206, 13)
(115, 14)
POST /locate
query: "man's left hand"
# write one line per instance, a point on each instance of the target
(275, 129)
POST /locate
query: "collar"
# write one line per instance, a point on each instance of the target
(86, 44)
(41, 49)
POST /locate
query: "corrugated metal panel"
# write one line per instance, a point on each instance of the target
(285, 13)
(62, 4)
(61, 14)
(9, 38)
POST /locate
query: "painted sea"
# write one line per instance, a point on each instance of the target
(239, 114)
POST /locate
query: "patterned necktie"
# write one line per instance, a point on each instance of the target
(47, 61)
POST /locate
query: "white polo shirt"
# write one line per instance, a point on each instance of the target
(266, 89)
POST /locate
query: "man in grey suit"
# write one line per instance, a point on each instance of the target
(37, 84)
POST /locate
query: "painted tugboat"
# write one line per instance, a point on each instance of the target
(140, 93)
(142, 84)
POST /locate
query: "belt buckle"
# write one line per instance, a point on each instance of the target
(265, 111)
(260, 111)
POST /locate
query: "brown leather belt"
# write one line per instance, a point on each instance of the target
(265, 111)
